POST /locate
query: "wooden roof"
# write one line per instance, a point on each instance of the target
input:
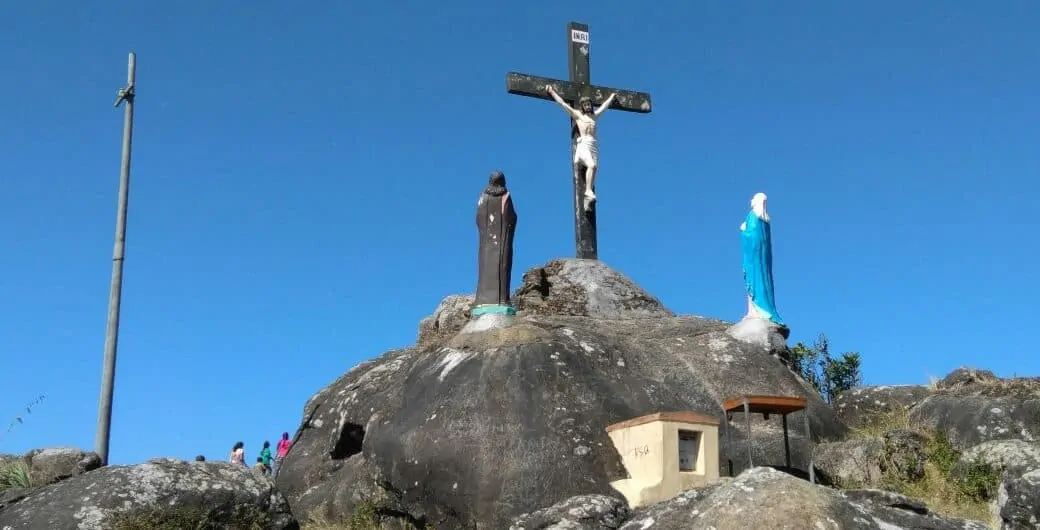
(678, 417)
(765, 404)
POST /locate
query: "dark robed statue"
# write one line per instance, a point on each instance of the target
(496, 223)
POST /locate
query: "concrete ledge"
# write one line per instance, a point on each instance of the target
(678, 417)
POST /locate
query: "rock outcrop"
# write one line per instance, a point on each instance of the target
(1019, 501)
(993, 423)
(1017, 497)
(580, 511)
(974, 406)
(161, 493)
(898, 454)
(473, 429)
(449, 317)
(862, 406)
(50, 465)
(40, 467)
(760, 498)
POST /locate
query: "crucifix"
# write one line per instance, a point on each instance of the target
(583, 97)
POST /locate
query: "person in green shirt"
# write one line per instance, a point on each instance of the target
(265, 457)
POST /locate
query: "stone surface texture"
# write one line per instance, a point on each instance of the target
(53, 464)
(220, 492)
(474, 429)
(449, 317)
(989, 420)
(764, 498)
(581, 511)
(1018, 501)
(866, 461)
(862, 406)
(974, 406)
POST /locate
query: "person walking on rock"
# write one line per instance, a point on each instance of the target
(238, 454)
(283, 449)
(265, 457)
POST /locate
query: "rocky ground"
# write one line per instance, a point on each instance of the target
(760, 497)
(971, 438)
(504, 428)
(159, 494)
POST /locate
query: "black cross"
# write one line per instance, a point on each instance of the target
(571, 91)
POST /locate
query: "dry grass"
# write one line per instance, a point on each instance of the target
(366, 517)
(174, 518)
(15, 474)
(933, 383)
(883, 424)
(325, 524)
(944, 494)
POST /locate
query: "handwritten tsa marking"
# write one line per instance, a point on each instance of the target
(640, 452)
(579, 36)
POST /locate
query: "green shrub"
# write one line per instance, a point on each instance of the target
(977, 481)
(829, 376)
(980, 481)
(947, 488)
(941, 453)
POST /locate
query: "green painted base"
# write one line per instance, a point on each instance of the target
(493, 310)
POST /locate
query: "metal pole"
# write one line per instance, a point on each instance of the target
(747, 419)
(108, 371)
(729, 442)
(808, 440)
(787, 443)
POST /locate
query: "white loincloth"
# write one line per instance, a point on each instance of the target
(586, 152)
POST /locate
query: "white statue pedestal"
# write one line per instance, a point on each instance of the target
(488, 321)
(760, 332)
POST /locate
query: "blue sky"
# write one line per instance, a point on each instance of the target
(304, 180)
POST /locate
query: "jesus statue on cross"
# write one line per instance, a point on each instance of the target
(585, 151)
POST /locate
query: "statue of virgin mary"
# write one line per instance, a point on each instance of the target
(757, 257)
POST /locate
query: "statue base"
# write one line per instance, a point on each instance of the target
(488, 321)
(492, 309)
(760, 332)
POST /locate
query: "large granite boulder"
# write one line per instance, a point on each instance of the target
(1017, 495)
(473, 429)
(20, 475)
(1018, 502)
(850, 463)
(870, 405)
(581, 511)
(587, 288)
(897, 455)
(161, 493)
(974, 406)
(762, 499)
(449, 317)
(1007, 456)
(53, 464)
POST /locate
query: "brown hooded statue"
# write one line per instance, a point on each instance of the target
(496, 223)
